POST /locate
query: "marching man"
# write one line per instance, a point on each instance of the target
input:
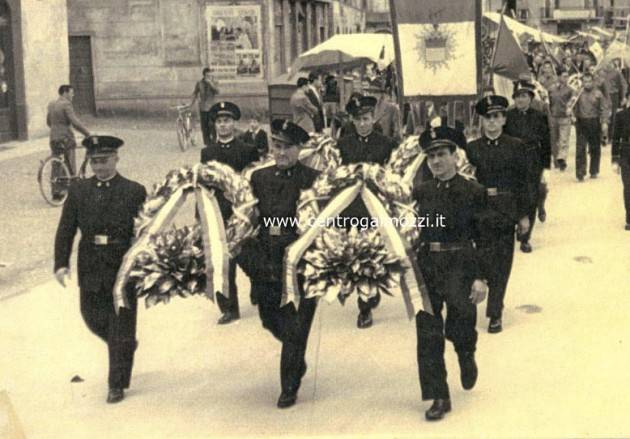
(103, 209)
(502, 166)
(452, 267)
(278, 190)
(364, 145)
(237, 154)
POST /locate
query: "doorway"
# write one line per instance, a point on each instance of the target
(82, 74)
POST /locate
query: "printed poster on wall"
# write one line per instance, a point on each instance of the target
(234, 42)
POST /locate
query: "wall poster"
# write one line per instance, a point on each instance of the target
(235, 42)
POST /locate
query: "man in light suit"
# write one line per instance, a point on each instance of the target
(304, 112)
(313, 92)
(61, 119)
(386, 113)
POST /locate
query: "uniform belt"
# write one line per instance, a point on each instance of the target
(437, 247)
(278, 231)
(494, 192)
(103, 240)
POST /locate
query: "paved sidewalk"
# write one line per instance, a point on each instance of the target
(17, 149)
(558, 370)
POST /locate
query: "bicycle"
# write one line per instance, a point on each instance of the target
(184, 124)
(54, 185)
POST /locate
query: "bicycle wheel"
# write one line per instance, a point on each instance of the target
(191, 130)
(54, 179)
(83, 169)
(182, 138)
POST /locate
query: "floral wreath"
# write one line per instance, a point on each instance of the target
(319, 153)
(336, 263)
(407, 158)
(190, 260)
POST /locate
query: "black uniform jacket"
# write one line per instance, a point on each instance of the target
(278, 192)
(258, 140)
(375, 148)
(98, 208)
(318, 121)
(621, 135)
(462, 204)
(532, 128)
(236, 154)
(502, 167)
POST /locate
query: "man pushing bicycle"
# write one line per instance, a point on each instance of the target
(61, 118)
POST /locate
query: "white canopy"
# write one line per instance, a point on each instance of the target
(344, 51)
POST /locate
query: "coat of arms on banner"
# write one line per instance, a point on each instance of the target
(436, 46)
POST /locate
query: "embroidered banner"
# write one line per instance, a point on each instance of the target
(437, 46)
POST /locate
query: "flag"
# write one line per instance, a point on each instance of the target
(382, 64)
(508, 60)
(556, 61)
(437, 46)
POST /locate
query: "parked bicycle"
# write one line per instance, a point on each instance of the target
(185, 126)
(54, 177)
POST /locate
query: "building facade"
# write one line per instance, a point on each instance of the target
(145, 55)
(33, 63)
(378, 18)
(566, 16)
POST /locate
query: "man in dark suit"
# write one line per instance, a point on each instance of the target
(278, 190)
(233, 152)
(621, 154)
(452, 265)
(367, 146)
(257, 137)
(314, 94)
(502, 166)
(532, 128)
(103, 208)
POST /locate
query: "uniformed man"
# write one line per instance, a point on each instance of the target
(621, 153)
(502, 166)
(103, 208)
(230, 150)
(532, 128)
(278, 190)
(452, 267)
(363, 146)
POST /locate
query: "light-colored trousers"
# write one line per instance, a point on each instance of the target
(560, 133)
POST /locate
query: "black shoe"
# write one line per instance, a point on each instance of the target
(580, 179)
(562, 164)
(364, 320)
(228, 317)
(594, 175)
(627, 226)
(542, 215)
(437, 411)
(287, 399)
(495, 326)
(526, 247)
(115, 395)
(468, 369)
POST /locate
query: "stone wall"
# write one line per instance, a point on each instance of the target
(45, 58)
(148, 54)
